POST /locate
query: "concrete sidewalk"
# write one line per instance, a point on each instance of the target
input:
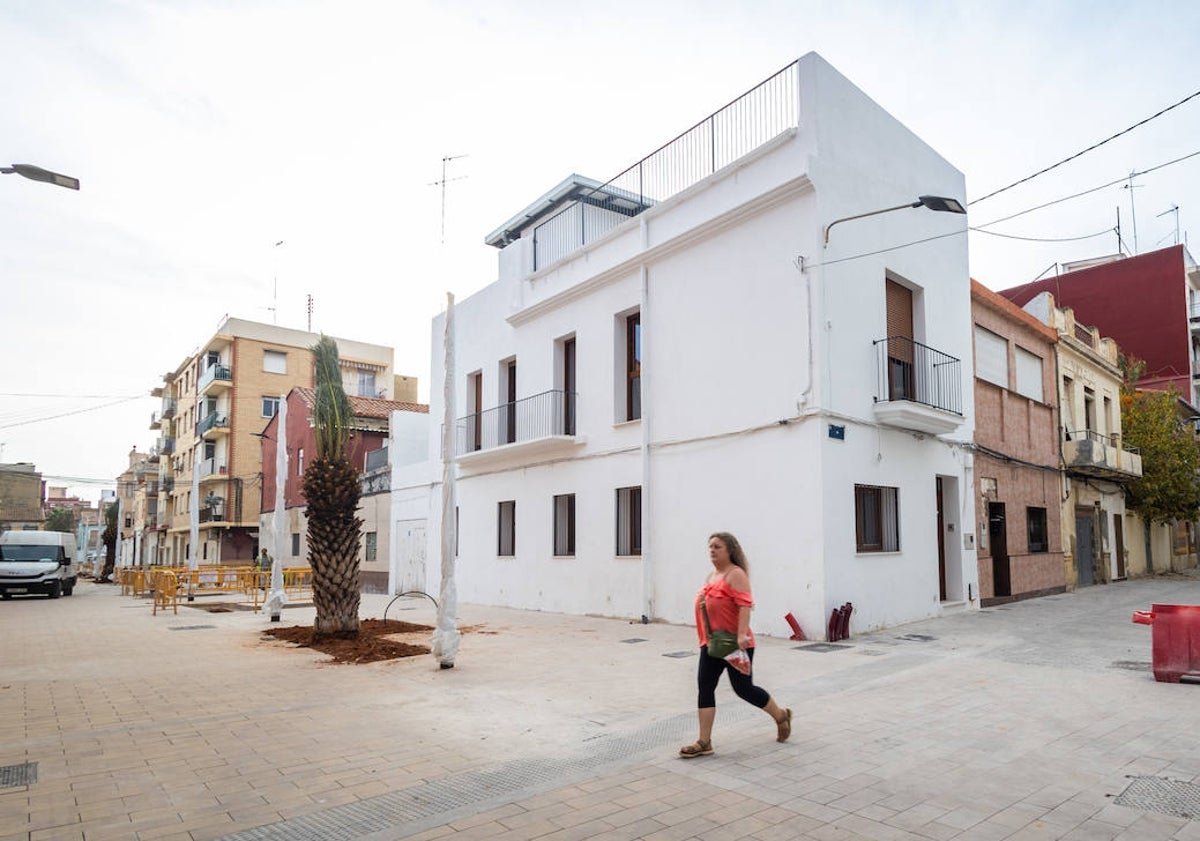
(1034, 720)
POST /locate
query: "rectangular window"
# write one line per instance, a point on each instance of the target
(270, 406)
(274, 362)
(1038, 534)
(876, 518)
(1029, 374)
(371, 543)
(629, 521)
(366, 384)
(991, 357)
(564, 525)
(507, 529)
(300, 461)
(295, 544)
(633, 366)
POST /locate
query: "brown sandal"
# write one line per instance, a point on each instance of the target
(700, 747)
(784, 724)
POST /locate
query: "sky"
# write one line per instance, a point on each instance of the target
(203, 133)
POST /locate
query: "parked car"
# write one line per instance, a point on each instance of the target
(37, 562)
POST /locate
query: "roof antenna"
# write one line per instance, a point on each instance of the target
(1174, 208)
(442, 183)
(1133, 208)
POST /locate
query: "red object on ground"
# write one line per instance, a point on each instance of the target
(797, 634)
(1176, 640)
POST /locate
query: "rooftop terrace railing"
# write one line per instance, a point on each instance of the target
(757, 116)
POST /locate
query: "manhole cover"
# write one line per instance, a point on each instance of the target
(868, 652)
(679, 654)
(190, 627)
(1159, 794)
(633, 640)
(24, 774)
(1132, 665)
(916, 637)
(822, 647)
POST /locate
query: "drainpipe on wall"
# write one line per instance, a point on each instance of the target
(647, 553)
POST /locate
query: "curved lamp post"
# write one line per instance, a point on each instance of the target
(36, 173)
(941, 204)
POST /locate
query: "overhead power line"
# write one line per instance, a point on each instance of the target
(68, 414)
(1085, 151)
(1105, 232)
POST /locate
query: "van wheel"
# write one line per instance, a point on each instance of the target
(68, 588)
(55, 590)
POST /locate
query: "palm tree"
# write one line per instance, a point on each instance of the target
(331, 488)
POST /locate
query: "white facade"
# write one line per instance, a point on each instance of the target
(757, 342)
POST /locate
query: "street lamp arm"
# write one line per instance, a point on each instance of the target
(864, 215)
(36, 173)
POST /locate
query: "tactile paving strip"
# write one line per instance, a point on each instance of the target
(24, 774)
(1159, 794)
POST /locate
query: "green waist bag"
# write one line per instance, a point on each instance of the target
(720, 643)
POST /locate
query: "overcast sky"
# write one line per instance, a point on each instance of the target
(205, 132)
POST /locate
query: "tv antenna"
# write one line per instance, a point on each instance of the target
(442, 183)
(1174, 208)
(310, 309)
(1132, 208)
(274, 308)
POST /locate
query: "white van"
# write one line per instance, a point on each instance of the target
(37, 562)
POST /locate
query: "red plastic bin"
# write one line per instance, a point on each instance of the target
(1176, 640)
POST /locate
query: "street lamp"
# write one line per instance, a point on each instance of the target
(942, 204)
(36, 173)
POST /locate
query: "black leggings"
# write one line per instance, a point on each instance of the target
(708, 674)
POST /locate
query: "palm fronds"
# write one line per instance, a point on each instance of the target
(331, 412)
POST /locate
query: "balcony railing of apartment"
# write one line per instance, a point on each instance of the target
(214, 373)
(376, 459)
(1196, 367)
(156, 420)
(168, 408)
(909, 370)
(210, 467)
(167, 484)
(551, 413)
(213, 420)
(1091, 452)
(757, 116)
(166, 446)
(152, 488)
(1194, 312)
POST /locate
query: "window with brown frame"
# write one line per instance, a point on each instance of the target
(633, 366)
(876, 518)
(564, 525)
(507, 529)
(629, 521)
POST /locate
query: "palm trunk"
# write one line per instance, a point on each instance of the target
(331, 487)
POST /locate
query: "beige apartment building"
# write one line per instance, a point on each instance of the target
(216, 405)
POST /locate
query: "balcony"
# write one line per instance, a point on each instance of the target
(544, 423)
(1092, 454)
(215, 377)
(213, 422)
(152, 488)
(211, 467)
(167, 484)
(168, 408)
(156, 420)
(166, 446)
(376, 459)
(917, 387)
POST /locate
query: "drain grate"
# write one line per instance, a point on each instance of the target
(190, 627)
(633, 640)
(822, 647)
(916, 637)
(679, 654)
(24, 774)
(1159, 794)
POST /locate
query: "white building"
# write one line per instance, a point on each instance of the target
(678, 351)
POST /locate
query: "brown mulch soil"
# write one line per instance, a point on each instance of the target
(371, 646)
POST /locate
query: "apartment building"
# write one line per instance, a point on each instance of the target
(736, 333)
(216, 404)
(21, 493)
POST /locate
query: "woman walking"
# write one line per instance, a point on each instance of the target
(725, 598)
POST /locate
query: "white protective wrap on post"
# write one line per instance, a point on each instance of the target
(445, 637)
(278, 598)
(194, 514)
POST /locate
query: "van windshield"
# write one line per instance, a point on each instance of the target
(12, 553)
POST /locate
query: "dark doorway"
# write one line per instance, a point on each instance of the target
(1119, 539)
(1085, 548)
(998, 529)
(568, 418)
(941, 533)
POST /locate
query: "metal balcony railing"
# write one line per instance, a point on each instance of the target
(909, 370)
(1099, 438)
(214, 373)
(540, 416)
(166, 446)
(757, 116)
(168, 408)
(213, 420)
(210, 467)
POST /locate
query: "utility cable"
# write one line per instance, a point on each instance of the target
(1085, 151)
(1105, 232)
(68, 414)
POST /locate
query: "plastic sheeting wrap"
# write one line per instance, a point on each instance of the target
(194, 512)
(444, 645)
(277, 597)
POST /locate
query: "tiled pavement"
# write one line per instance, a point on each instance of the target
(1028, 721)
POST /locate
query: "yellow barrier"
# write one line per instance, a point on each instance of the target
(168, 584)
(166, 591)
